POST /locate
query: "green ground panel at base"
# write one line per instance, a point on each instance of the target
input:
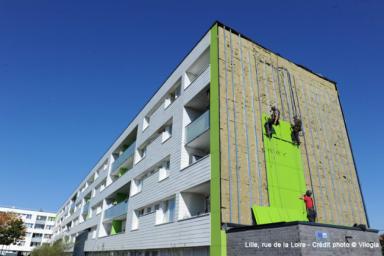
(285, 176)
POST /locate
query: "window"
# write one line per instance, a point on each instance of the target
(98, 209)
(137, 186)
(39, 217)
(34, 244)
(164, 170)
(194, 158)
(172, 95)
(47, 236)
(20, 243)
(49, 227)
(166, 133)
(151, 253)
(169, 214)
(140, 212)
(39, 226)
(37, 235)
(148, 210)
(101, 186)
(51, 218)
(89, 182)
(96, 175)
(165, 212)
(28, 225)
(28, 216)
(142, 152)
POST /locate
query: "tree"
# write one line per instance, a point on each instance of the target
(382, 243)
(56, 249)
(12, 228)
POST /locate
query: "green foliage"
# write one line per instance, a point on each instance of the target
(122, 171)
(382, 243)
(12, 228)
(56, 249)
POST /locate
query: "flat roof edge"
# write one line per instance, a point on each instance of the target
(26, 209)
(236, 228)
(278, 54)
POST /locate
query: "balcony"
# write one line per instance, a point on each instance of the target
(196, 69)
(198, 127)
(116, 211)
(195, 201)
(40, 222)
(86, 208)
(72, 208)
(125, 157)
(36, 239)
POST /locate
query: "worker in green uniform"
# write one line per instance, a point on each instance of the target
(273, 120)
(296, 128)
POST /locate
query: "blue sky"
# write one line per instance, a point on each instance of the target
(74, 73)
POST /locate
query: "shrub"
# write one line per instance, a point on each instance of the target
(55, 249)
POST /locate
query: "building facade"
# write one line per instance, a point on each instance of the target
(39, 230)
(196, 158)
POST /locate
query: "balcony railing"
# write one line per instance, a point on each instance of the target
(129, 152)
(36, 239)
(40, 221)
(197, 127)
(116, 210)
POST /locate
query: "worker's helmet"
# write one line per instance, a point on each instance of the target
(308, 193)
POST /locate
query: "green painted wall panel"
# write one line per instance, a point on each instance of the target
(116, 227)
(218, 236)
(285, 176)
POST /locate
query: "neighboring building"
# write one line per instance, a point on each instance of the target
(195, 160)
(39, 229)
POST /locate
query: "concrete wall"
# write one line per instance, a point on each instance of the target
(251, 79)
(302, 239)
(196, 251)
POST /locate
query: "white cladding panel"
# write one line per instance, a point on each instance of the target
(180, 233)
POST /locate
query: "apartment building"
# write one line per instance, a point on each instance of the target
(196, 159)
(39, 229)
